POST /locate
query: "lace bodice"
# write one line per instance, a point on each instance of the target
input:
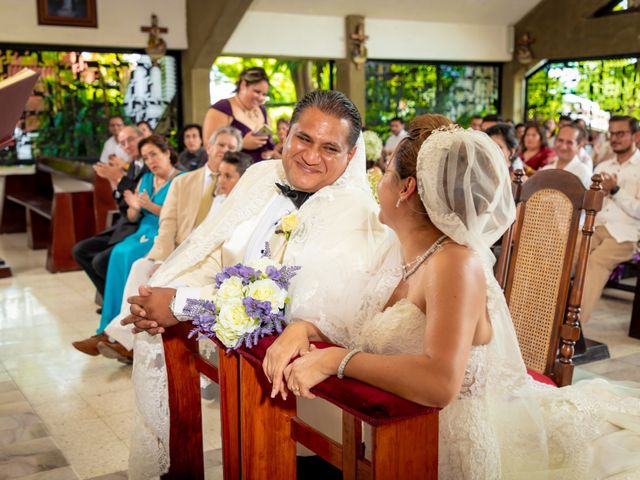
(399, 330)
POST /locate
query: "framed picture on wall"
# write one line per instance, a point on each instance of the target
(67, 13)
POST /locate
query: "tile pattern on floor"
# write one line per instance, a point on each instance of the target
(65, 415)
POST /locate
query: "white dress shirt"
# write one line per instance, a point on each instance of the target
(620, 213)
(393, 140)
(576, 167)
(111, 147)
(262, 233)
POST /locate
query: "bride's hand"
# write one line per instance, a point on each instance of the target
(312, 368)
(291, 343)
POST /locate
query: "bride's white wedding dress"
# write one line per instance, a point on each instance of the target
(590, 430)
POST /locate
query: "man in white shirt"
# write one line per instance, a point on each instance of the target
(396, 125)
(616, 227)
(111, 146)
(567, 145)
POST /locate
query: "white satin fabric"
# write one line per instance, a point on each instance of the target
(338, 237)
(503, 425)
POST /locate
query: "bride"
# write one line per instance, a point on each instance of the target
(445, 336)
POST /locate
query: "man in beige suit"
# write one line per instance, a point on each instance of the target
(188, 203)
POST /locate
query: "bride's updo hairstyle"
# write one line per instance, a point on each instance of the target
(405, 156)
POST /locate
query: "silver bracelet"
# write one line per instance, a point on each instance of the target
(345, 360)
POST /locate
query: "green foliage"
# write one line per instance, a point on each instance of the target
(612, 83)
(406, 89)
(77, 96)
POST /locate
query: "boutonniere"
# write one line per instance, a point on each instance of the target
(288, 224)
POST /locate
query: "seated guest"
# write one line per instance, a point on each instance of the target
(145, 128)
(567, 147)
(174, 228)
(583, 155)
(92, 254)
(519, 132)
(111, 146)
(504, 135)
(615, 237)
(144, 210)
(245, 111)
(535, 153)
(282, 131)
(396, 125)
(194, 155)
(550, 128)
(564, 120)
(476, 122)
(490, 120)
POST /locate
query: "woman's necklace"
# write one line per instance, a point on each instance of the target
(251, 113)
(160, 182)
(411, 267)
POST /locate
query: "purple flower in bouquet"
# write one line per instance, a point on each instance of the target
(248, 304)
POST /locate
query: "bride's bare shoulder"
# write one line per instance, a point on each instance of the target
(455, 260)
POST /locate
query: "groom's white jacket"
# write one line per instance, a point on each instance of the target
(338, 236)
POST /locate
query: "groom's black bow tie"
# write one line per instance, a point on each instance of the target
(296, 196)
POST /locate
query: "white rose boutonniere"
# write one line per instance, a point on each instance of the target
(288, 224)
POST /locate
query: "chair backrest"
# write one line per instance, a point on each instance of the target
(535, 267)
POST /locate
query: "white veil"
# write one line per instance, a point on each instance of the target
(465, 187)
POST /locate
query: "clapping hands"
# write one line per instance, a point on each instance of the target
(609, 181)
(138, 201)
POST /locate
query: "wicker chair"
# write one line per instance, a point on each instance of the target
(535, 267)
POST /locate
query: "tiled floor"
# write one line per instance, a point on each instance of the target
(64, 415)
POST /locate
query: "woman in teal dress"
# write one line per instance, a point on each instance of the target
(144, 206)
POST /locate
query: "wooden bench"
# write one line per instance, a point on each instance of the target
(249, 418)
(57, 209)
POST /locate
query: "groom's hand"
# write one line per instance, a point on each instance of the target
(150, 310)
(292, 342)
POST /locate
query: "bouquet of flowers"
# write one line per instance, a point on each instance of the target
(248, 304)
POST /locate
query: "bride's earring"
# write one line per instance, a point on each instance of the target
(398, 202)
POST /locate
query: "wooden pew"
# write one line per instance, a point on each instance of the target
(184, 366)
(57, 207)
(250, 419)
(404, 434)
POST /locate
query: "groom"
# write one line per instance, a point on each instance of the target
(322, 179)
(337, 235)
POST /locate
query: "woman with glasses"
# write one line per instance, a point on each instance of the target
(245, 111)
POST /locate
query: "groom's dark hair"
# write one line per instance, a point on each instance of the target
(332, 103)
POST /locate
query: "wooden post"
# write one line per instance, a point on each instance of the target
(394, 452)
(268, 450)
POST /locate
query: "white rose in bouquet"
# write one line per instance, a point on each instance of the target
(266, 290)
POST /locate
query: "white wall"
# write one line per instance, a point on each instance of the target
(119, 23)
(277, 34)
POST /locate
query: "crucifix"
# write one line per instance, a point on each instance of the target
(156, 46)
(358, 42)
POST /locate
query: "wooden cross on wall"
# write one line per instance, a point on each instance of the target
(156, 46)
(154, 26)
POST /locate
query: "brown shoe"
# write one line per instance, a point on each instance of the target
(116, 351)
(90, 345)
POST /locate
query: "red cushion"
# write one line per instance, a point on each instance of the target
(365, 402)
(539, 377)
